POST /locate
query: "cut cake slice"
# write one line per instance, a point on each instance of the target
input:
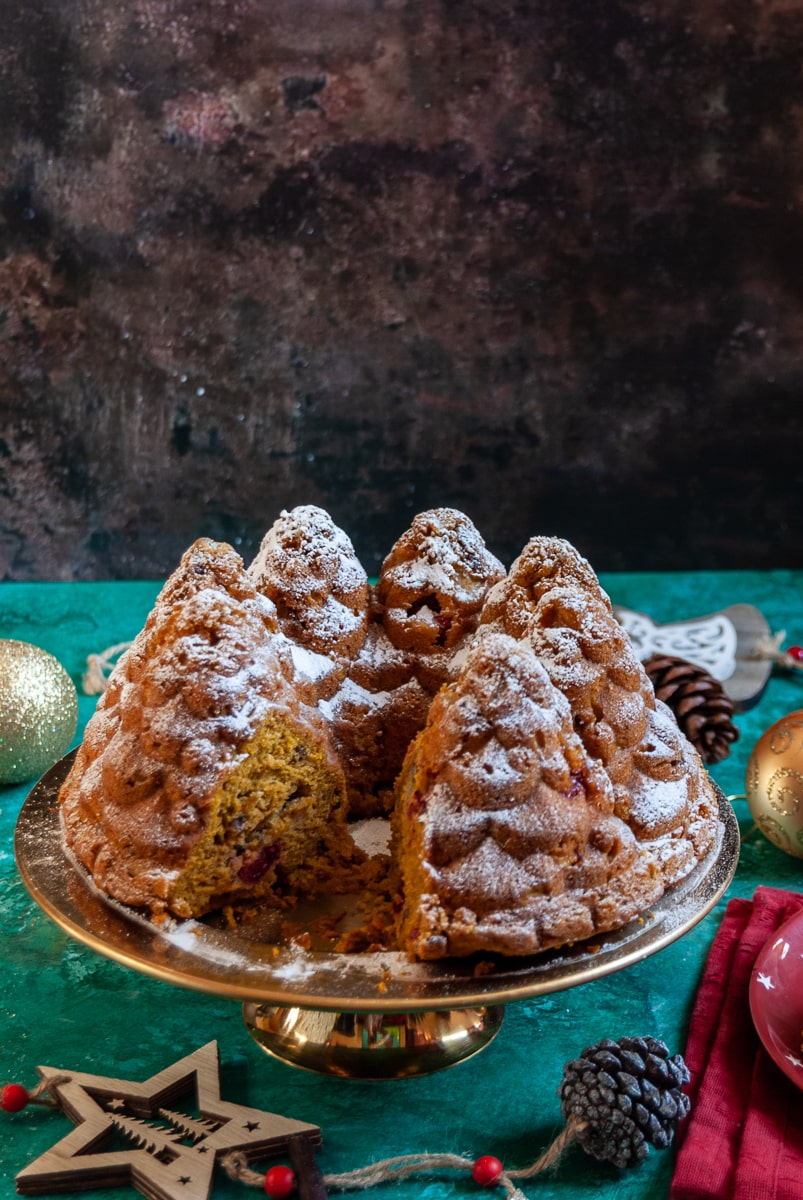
(202, 778)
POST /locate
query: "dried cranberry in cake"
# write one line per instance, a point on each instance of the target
(256, 866)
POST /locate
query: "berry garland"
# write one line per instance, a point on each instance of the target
(486, 1171)
(618, 1098)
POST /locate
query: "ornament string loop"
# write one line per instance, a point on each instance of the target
(235, 1164)
(770, 648)
(15, 1096)
(99, 667)
(44, 1092)
(554, 1152)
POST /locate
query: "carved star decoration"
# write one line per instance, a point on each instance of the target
(173, 1155)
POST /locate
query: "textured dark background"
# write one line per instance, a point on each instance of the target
(540, 261)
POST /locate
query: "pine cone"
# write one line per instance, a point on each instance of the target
(629, 1094)
(701, 705)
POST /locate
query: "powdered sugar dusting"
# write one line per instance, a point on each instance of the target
(354, 697)
(372, 836)
(308, 567)
(442, 552)
(308, 663)
(312, 530)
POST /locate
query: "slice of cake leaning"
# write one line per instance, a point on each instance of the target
(202, 779)
(504, 827)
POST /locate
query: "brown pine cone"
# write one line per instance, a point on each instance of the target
(701, 706)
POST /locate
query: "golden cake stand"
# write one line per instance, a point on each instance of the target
(371, 1016)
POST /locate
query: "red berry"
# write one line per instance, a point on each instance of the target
(279, 1182)
(796, 652)
(13, 1097)
(486, 1170)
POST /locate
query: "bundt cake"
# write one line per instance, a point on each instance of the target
(539, 793)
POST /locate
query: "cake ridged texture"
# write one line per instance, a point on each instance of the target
(188, 705)
(505, 832)
(539, 793)
(425, 608)
(306, 565)
(552, 598)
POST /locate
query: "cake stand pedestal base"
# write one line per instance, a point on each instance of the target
(364, 1045)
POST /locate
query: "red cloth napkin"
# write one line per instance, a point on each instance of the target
(743, 1139)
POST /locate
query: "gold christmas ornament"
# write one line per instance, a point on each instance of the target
(38, 711)
(774, 783)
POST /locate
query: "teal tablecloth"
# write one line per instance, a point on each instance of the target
(63, 1006)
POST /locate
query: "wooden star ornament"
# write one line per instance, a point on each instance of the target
(128, 1132)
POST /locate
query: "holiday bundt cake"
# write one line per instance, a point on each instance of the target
(539, 793)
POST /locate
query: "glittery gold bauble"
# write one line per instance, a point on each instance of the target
(38, 711)
(774, 783)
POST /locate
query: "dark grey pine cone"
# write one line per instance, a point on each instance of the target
(629, 1093)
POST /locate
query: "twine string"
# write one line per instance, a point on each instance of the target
(44, 1092)
(235, 1164)
(403, 1166)
(400, 1167)
(98, 669)
(770, 648)
(554, 1152)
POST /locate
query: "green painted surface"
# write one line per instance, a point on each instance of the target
(64, 1006)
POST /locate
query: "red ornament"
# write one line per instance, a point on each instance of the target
(13, 1098)
(279, 1182)
(486, 1170)
(795, 653)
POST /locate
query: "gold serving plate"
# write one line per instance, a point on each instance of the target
(369, 1015)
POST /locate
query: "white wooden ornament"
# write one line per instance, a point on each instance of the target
(726, 643)
(172, 1155)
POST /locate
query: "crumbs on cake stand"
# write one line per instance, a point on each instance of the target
(351, 912)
